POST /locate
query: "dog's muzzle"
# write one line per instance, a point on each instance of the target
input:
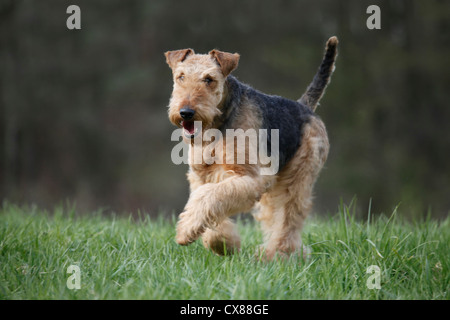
(187, 114)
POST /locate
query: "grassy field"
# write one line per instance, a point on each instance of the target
(121, 258)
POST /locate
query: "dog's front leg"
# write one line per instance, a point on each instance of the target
(211, 203)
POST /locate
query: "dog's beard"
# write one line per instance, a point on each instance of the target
(206, 116)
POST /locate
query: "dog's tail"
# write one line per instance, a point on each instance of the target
(316, 88)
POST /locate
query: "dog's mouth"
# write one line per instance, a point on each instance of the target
(190, 130)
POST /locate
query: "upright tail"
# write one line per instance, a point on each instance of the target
(316, 88)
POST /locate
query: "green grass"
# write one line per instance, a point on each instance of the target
(121, 258)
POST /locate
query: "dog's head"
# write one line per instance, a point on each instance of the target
(199, 87)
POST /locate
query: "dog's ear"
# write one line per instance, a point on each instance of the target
(227, 61)
(173, 57)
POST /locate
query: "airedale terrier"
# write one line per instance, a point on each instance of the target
(204, 92)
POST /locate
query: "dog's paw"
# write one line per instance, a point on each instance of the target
(222, 240)
(189, 229)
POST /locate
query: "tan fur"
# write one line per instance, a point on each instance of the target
(189, 88)
(284, 207)
(222, 239)
(219, 191)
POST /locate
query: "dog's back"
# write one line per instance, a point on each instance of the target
(275, 112)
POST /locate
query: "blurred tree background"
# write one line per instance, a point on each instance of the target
(83, 113)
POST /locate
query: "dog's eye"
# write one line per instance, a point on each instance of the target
(208, 80)
(181, 77)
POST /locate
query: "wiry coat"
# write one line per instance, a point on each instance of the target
(204, 87)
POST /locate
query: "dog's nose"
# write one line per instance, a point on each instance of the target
(187, 113)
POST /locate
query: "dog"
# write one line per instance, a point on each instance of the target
(205, 92)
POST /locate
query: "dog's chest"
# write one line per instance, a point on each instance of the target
(216, 173)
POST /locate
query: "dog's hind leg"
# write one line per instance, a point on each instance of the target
(285, 207)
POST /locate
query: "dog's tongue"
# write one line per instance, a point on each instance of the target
(188, 126)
